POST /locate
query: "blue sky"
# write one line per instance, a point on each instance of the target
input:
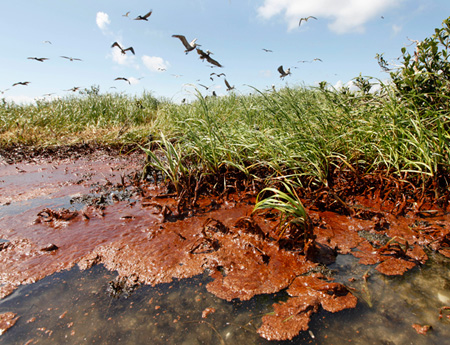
(346, 36)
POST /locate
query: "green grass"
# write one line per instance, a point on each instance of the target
(296, 131)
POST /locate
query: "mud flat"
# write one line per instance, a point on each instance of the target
(65, 213)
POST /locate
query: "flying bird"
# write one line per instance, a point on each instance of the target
(38, 59)
(309, 61)
(125, 79)
(306, 19)
(126, 14)
(3, 91)
(71, 58)
(284, 73)
(75, 88)
(267, 50)
(189, 46)
(208, 58)
(123, 51)
(145, 17)
(217, 75)
(24, 83)
(229, 87)
(47, 42)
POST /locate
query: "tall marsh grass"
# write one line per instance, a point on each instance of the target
(300, 131)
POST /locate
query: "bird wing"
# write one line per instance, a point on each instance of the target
(212, 61)
(183, 40)
(227, 84)
(130, 49)
(65, 57)
(115, 44)
(281, 70)
(311, 17)
(148, 14)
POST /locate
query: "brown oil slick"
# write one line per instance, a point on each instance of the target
(144, 238)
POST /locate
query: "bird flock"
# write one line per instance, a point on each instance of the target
(204, 55)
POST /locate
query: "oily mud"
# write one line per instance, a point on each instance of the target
(98, 210)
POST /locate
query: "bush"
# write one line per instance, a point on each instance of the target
(425, 75)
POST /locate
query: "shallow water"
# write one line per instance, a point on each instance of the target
(73, 307)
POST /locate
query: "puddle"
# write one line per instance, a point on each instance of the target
(76, 307)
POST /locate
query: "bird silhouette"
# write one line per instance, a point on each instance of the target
(47, 42)
(123, 51)
(218, 75)
(71, 58)
(125, 79)
(284, 73)
(24, 83)
(229, 87)
(126, 14)
(144, 17)
(208, 58)
(75, 88)
(189, 46)
(267, 50)
(3, 91)
(306, 19)
(38, 59)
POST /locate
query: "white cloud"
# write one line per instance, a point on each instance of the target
(121, 59)
(102, 20)
(133, 80)
(345, 15)
(155, 63)
(396, 29)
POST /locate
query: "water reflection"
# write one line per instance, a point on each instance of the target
(74, 307)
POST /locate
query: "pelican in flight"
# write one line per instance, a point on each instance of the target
(124, 79)
(123, 51)
(229, 87)
(71, 58)
(306, 19)
(24, 83)
(208, 58)
(38, 59)
(189, 46)
(145, 17)
(284, 73)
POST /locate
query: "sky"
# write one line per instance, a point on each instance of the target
(345, 35)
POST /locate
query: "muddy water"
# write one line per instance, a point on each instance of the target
(215, 276)
(74, 307)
